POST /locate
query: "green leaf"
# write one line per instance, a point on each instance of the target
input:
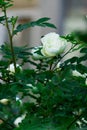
(5, 3)
(50, 25)
(2, 18)
(41, 22)
(83, 50)
(20, 52)
(9, 5)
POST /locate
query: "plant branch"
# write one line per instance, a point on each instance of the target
(64, 56)
(10, 38)
(70, 125)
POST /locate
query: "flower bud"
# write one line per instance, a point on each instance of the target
(4, 101)
(12, 69)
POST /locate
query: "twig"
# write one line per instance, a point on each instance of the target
(10, 38)
(78, 117)
(64, 55)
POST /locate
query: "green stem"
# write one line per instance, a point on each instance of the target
(64, 55)
(74, 121)
(10, 38)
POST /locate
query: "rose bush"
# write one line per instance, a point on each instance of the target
(51, 92)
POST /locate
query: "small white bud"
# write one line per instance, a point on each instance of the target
(12, 69)
(4, 101)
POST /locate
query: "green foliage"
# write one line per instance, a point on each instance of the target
(5, 3)
(21, 53)
(41, 22)
(45, 96)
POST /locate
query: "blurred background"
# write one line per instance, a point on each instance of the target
(67, 15)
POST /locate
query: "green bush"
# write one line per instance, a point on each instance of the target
(52, 93)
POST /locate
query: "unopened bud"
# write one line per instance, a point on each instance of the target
(4, 101)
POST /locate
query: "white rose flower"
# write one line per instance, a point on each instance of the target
(77, 74)
(35, 53)
(53, 45)
(4, 101)
(11, 68)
